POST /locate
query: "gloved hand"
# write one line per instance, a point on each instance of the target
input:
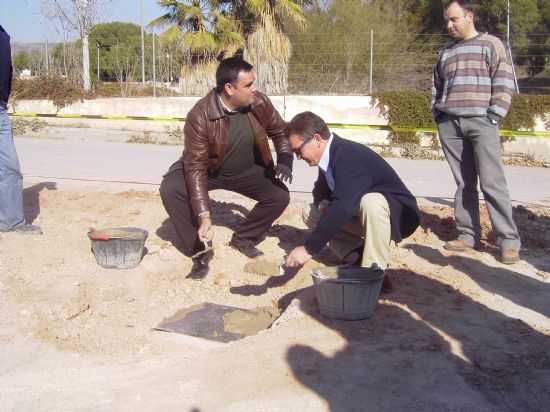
(283, 173)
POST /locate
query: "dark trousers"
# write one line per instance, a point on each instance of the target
(256, 183)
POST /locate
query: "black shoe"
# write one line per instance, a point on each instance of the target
(354, 257)
(200, 266)
(249, 250)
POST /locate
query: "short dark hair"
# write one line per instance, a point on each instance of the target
(228, 71)
(305, 125)
(465, 4)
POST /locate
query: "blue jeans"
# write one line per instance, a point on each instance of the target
(472, 148)
(11, 180)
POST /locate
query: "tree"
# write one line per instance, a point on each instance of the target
(216, 28)
(529, 21)
(78, 15)
(21, 61)
(204, 34)
(109, 40)
(66, 61)
(262, 23)
(336, 58)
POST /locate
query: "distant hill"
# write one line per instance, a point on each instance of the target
(16, 46)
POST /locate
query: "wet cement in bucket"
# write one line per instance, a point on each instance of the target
(119, 233)
(118, 248)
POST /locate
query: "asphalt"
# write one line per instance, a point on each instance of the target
(115, 166)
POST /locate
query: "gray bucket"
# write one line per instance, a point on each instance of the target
(118, 248)
(347, 292)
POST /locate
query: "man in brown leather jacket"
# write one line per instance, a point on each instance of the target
(226, 147)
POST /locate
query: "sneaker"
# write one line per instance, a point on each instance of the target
(456, 246)
(509, 256)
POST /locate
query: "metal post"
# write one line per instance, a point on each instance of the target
(508, 24)
(371, 60)
(47, 60)
(509, 50)
(97, 50)
(258, 77)
(509, 45)
(142, 48)
(154, 69)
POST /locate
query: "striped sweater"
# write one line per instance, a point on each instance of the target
(473, 78)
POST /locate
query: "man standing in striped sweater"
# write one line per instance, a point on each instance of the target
(472, 90)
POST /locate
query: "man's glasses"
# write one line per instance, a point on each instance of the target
(298, 150)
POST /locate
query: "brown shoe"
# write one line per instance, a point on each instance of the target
(456, 246)
(509, 256)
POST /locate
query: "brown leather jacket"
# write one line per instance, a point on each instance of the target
(206, 133)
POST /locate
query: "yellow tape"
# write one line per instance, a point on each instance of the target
(97, 116)
(393, 128)
(389, 128)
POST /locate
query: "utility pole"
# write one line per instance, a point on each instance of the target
(154, 69)
(142, 48)
(47, 60)
(508, 24)
(97, 52)
(509, 46)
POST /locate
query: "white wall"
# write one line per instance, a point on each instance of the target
(333, 109)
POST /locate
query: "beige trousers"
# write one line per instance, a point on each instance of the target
(370, 228)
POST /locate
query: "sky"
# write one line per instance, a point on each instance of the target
(23, 21)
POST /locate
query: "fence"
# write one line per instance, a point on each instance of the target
(320, 63)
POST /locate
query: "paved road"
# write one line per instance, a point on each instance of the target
(122, 166)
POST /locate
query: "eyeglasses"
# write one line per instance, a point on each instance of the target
(298, 150)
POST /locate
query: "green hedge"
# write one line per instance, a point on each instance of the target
(410, 108)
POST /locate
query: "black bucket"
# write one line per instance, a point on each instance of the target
(118, 248)
(348, 292)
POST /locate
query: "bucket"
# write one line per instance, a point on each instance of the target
(118, 248)
(347, 292)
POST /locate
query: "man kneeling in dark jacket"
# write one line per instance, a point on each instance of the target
(360, 204)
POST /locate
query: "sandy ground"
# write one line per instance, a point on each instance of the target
(459, 331)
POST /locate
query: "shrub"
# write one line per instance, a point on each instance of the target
(64, 93)
(20, 126)
(410, 108)
(404, 108)
(56, 89)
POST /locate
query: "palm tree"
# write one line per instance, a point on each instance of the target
(203, 33)
(212, 28)
(262, 27)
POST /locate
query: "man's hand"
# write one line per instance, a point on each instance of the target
(205, 231)
(283, 173)
(323, 205)
(297, 257)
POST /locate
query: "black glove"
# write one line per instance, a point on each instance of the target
(283, 173)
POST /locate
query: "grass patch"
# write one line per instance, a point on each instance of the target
(21, 126)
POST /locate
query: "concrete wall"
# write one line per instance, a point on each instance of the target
(334, 109)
